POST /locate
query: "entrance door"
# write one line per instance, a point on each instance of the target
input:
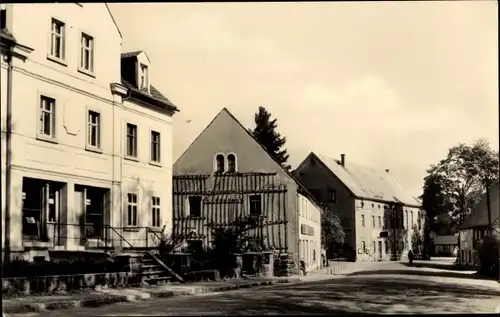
(380, 250)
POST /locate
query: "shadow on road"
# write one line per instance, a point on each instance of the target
(443, 273)
(355, 295)
(441, 266)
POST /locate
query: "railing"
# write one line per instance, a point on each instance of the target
(96, 236)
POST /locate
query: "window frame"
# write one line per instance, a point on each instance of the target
(251, 203)
(52, 100)
(189, 204)
(97, 126)
(51, 55)
(143, 82)
(155, 145)
(91, 49)
(216, 163)
(132, 210)
(227, 161)
(155, 211)
(133, 156)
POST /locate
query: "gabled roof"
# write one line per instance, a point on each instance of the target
(366, 182)
(114, 21)
(479, 215)
(300, 188)
(134, 54)
(155, 94)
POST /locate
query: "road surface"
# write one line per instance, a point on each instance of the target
(395, 289)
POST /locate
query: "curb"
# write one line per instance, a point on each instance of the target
(103, 300)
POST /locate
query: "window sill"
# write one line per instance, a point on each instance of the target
(86, 72)
(46, 138)
(94, 149)
(57, 60)
(131, 158)
(131, 229)
(157, 164)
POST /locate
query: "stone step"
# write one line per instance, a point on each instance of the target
(157, 280)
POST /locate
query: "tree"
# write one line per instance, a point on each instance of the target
(266, 135)
(416, 241)
(332, 233)
(457, 182)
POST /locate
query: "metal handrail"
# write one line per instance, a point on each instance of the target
(119, 235)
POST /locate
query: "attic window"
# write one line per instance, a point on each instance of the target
(143, 77)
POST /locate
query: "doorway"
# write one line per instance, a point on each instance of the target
(92, 208)
(41, 204)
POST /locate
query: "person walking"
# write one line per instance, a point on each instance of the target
(410, 257)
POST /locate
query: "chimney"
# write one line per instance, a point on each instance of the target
(387, 170)
(342, 160)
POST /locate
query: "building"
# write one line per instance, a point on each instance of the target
(225, 175)
(86, 139)
(377, 214)
(475, 227)
(445, 245)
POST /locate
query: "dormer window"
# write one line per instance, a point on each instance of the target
(143, 77)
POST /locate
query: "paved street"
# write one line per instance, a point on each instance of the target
(395, 289)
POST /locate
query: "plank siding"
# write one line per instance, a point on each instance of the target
(225, 199)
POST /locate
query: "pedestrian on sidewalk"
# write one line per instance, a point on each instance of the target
(303, 267)
(410, 257)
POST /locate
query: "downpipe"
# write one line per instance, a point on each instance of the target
(8, 159)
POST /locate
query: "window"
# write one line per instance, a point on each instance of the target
(155, 146)
(374, 247)
(47, 117)
(386, 247)
(407, 220)
(132, 209)
(94, 131)
(57, 40)
(314, 254)
(155, 211)
(87, 53)
(378, 206)
(332, 197)
(143, 77)
(219, 162)
(411, 217)
(231, 163)
(363, 246)
(373, 222)
(363, 220)
(131, 140)
(255, 205)
(195, 206)
(379, 222)
(373, 205)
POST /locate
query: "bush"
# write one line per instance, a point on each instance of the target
(22, 268)
(488, 253)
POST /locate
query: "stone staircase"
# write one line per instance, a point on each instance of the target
(155, 272)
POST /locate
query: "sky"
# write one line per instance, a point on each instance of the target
(393, 85)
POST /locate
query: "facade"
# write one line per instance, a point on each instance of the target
(445, 245)
(377, 215)
(87, 135)
(224, 175)
(310, 232)
(475, 227)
